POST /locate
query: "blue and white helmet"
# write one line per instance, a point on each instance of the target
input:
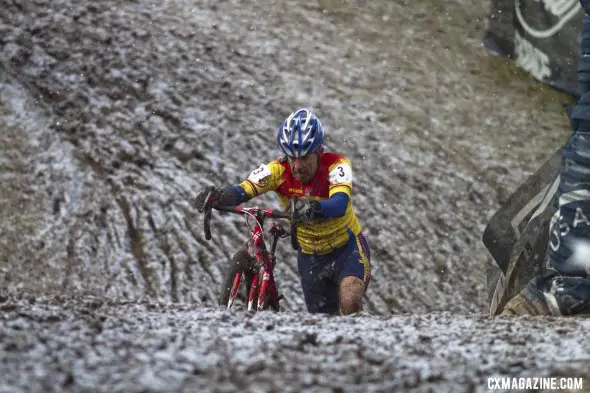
(300, 134)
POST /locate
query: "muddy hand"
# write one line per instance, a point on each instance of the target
(200, 201)
(305, 210)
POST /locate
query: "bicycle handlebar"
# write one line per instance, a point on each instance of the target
(294, 242)
(269, 213)
(240, 210)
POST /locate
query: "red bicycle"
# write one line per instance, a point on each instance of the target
(253, 266)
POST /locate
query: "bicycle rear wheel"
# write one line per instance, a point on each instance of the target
(243, 263)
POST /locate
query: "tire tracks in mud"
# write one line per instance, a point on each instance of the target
(134, 235)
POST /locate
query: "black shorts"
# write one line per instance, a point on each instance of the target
(321, 274)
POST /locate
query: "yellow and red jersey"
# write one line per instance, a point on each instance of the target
(322, 235)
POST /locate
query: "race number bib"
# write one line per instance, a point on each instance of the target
(342, 173)
(259, 175)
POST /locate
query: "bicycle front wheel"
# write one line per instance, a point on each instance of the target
(242, 263)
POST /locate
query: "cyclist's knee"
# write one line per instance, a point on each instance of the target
(351, 295)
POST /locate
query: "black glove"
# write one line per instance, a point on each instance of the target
(219, 197)
(305, 210)
(213, 199)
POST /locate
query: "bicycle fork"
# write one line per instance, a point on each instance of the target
(262, 288)
(258, 290)
(234, 291)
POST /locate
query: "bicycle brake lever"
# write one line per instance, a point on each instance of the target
(294, 242)
(207, 219)
(279, 231)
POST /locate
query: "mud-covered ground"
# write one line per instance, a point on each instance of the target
(114, 114)
(91, 344)
(130, 108)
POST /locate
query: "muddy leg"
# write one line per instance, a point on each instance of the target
(351, 295)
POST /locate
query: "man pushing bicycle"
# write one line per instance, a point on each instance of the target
(333, 257)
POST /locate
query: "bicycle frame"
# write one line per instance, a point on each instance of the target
(263, 290)
(263, 285)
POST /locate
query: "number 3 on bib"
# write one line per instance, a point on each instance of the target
(341, 173)
(260, 175)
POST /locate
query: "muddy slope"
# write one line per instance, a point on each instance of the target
(153, 101)
(112, 116)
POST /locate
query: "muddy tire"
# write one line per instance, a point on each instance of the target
(240, 262)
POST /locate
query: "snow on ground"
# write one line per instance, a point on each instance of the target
(83, 344)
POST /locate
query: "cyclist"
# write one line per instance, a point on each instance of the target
(565, 290)
(333, 257)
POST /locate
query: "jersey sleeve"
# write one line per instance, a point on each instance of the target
(340, 177)
(267, 177)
